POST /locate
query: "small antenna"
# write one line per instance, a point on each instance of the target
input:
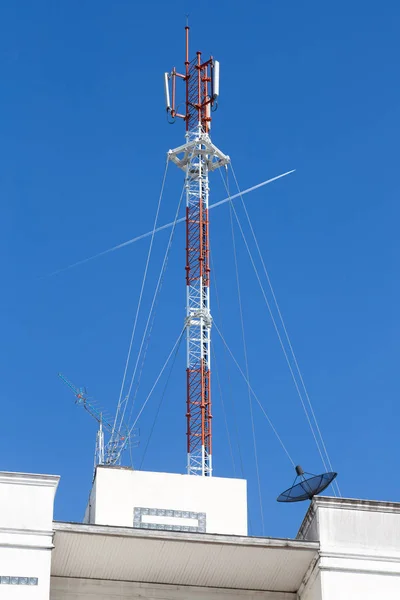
(166, 92)
(215, 80)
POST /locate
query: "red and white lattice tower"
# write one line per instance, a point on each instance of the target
(197, 157)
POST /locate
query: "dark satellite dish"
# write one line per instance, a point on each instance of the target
(307, 487)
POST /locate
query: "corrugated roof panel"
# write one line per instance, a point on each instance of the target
(203, 560)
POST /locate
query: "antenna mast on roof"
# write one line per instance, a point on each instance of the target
(197, 157)
(109, 454)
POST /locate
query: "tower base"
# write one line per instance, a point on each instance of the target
(166, 501)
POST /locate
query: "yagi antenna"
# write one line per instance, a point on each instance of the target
(120, 439)
(307, 487)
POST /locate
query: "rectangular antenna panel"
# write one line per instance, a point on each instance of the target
(216, 79)
(166, 91)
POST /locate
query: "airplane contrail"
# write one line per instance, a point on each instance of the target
(167, 225)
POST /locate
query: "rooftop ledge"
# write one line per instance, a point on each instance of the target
(181, 536)
(29, 479)
(345, 504)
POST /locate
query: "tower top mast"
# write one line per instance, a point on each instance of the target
(202, 90)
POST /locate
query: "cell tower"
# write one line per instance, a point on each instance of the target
(197, 157)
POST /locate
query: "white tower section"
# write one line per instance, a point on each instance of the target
(197, 157)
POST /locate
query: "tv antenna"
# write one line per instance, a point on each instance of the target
(105, 454)
(307, 487)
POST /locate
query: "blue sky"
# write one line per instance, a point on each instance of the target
(83, 140)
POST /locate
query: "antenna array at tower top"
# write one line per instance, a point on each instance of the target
(202, 90)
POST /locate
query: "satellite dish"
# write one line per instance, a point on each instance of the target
(307, 487)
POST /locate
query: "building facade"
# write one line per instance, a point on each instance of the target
(160, 536)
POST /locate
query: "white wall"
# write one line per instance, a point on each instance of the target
(359, 549)
(360, 586)
(26, 521)
(89, 516)
(83, 589)
(118, 491)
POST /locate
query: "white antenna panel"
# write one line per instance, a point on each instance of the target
(216, 79)
(166, 91)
